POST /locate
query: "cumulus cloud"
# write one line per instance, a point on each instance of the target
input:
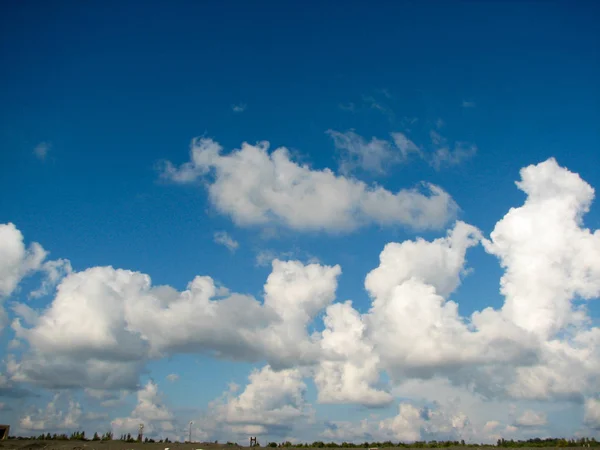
(415, 330)
(239, 108)
(271, 404)
(53, 417)
(592, 413)
(16, 260)
(172, 377)
(349, 367)
(256, 187)
(411, 423)
(151, 411)
(541, 345)
(223, 238)
(104, 323)
(531, 418)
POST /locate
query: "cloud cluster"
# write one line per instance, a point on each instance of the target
(53, 417)
(104, 324)
(255, 187)
(271, 404)
(150, 411)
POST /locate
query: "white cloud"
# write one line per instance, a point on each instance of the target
(446, 155)
(41, 150)
(541, 346)
(405, 145)
(265, 257)
(410, 424)
(375, 156)
(468, 104)
(151, 411)
(416, 331)
(16, 261)
(223, 238)
(239, 108)
(105, 323)
(172, 377)
(54, 271)
(53, 418)
(592, 413)
(531, 418)
(256, 187)
(349, 366)
(271, 404)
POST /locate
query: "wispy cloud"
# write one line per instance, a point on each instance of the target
(223, 238)
(379, 106)
(41, 150)
(468, 104)
(265, 257)
(239, 108)
(445, 154)
(172, 377)
(355, 152)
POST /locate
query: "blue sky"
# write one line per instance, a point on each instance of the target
(110, 114)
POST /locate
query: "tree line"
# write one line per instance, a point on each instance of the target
(534, 442)
(80, 436)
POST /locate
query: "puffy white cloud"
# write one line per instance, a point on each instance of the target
(271, 404)
(548, 257)
(16, 261)
(349, 367)
(592, 413)
(150, 411)
(53, 271)
(256, 187)
(104, 323)
(223, 238)
(53, 418)
(410, 424)
(406, 426)
(525, 350)
(531, 418)
(172, 377)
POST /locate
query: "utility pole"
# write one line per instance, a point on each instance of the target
(190, 440)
